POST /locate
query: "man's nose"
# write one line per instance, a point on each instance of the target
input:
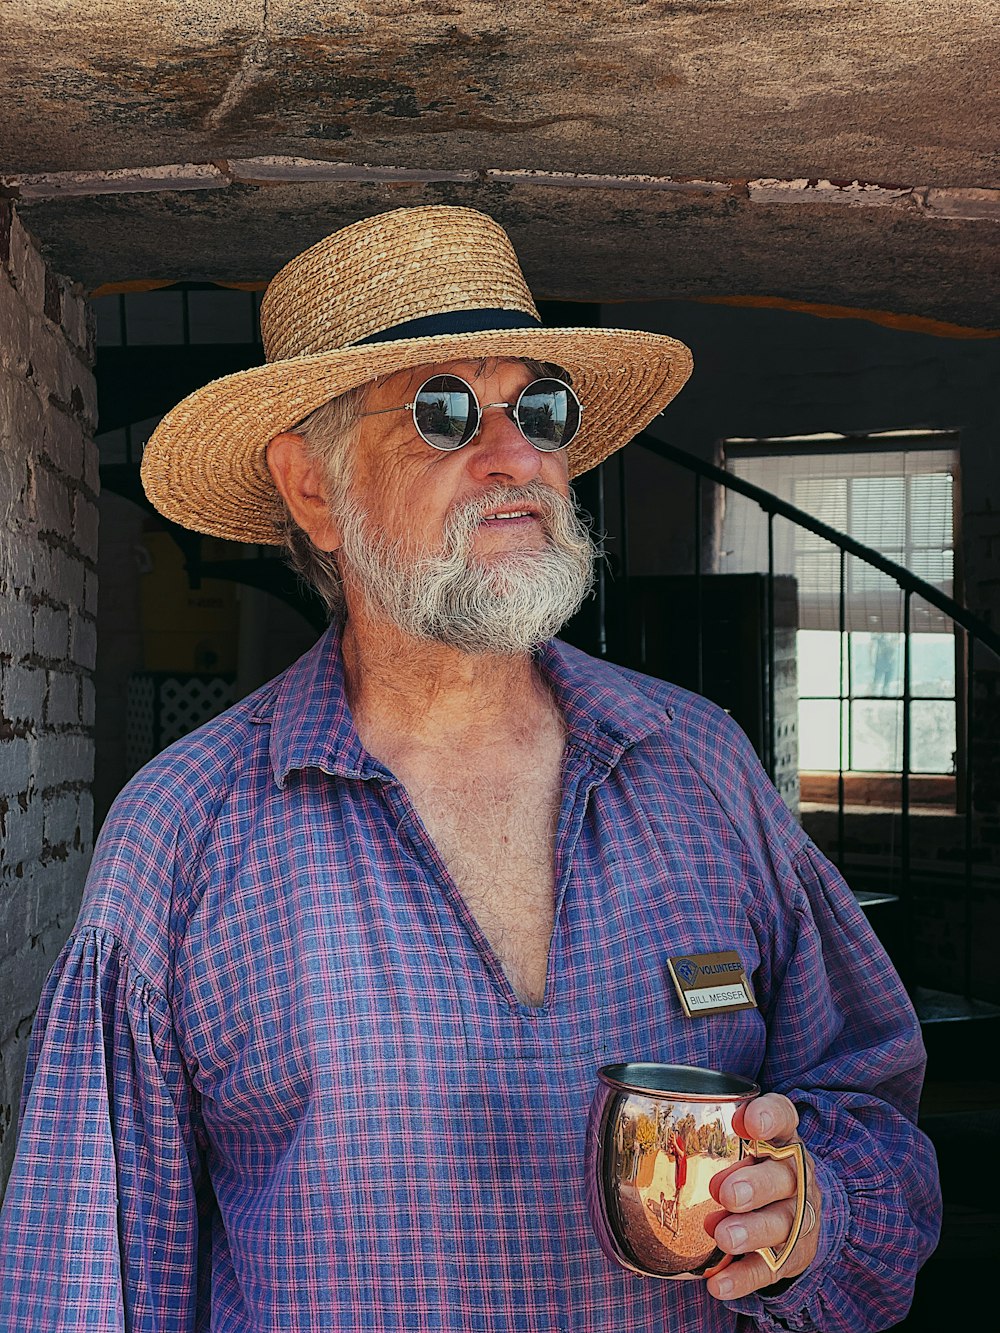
(500, 451)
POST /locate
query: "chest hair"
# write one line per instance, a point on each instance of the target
(493, 820)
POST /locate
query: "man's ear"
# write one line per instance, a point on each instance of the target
(300, 482)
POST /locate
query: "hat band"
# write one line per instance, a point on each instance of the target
(453, 321)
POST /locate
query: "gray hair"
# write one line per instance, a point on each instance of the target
(329, 433)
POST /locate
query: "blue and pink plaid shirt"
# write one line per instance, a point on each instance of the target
(279, 1081)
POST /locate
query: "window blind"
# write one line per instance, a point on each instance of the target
(896, 495)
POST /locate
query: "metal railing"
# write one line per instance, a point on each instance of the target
(977, 641)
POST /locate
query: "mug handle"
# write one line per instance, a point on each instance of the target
(761, 1148)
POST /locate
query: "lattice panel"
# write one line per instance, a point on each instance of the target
(140, 713)
(163, 707)
(188, 701)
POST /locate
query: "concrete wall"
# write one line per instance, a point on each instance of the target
(48, 607)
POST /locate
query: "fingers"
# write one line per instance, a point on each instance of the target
(740, 1236)
(757, 1204)
(742, 1278)
(748, 1184)
(741, 1233)
(770, 1116)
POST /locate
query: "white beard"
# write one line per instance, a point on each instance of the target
(507, 604)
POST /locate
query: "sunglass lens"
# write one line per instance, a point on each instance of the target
(445, 412)
(548, 413)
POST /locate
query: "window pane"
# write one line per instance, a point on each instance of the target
(154, 318)
(862, 577)
(899, 501)
(877, 735)
(933, 737)
(931, 510)
(744, 535)
(220, 317)
(818, 571)
(107, 310)
(112, 446)
(818, 662)
(818, 721)
(823, 497)
(875, 600)
(932, 665)
(933, 566)
(878, 511)
(877, 664)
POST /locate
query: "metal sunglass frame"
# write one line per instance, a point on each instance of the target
(481, 408)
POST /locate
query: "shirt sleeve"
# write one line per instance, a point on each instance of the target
(844, 1045)
(100, 1223)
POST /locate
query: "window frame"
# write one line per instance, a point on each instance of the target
(866, 787)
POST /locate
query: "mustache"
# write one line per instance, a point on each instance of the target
(554, 510)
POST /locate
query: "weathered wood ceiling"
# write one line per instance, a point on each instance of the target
(842, 152)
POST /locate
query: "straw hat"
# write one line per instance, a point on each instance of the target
(392, 292)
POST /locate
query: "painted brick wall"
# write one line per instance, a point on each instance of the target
(48, 606)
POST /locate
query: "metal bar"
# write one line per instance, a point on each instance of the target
(904, 801)
(699, 608)
(157, 713)
(841, 682)
(602, 590)
(967, 766)
(772, 740)
(772, 505)
(793, 446)
(623, 551)
(622, 601)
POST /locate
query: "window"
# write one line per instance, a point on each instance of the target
(895, 493)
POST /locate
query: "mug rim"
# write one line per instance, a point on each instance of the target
(682, 1082)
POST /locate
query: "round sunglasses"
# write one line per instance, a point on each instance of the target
(447, 413)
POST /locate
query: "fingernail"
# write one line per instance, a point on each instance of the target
(766, 1122)
(742, 1192)
(725, 1286)
(737, 1235)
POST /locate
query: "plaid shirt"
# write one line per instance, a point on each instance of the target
(278, 1079)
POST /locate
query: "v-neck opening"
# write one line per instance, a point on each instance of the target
(581, 772)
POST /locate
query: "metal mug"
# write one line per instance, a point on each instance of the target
(656, 1136)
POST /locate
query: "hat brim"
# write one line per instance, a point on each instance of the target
(204, 466)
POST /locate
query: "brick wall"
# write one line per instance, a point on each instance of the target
(48, 605)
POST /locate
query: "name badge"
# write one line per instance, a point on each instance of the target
(711, 983)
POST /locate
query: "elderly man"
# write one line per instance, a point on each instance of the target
(319, 1052)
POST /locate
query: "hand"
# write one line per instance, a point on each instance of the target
(758, 1204)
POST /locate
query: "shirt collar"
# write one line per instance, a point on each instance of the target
(605, 709)
(311, 723)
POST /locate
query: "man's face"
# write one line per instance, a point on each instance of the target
(407, 488)
(478, 548)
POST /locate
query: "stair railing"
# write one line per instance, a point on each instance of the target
(978, 641)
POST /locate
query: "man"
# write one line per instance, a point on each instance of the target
(350, 955)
